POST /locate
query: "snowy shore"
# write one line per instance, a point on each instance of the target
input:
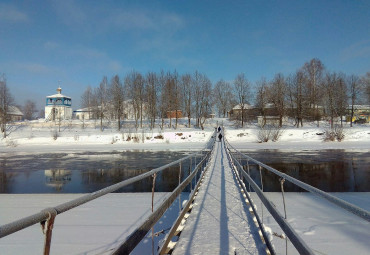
(33, 137)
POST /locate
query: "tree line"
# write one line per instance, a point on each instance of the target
(152, 97)
(311, 92)
(304, 95)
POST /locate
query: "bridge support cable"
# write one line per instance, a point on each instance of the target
(43, 216)
(337, 201)
(296, 240)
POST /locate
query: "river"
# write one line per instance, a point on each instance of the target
(329, 170)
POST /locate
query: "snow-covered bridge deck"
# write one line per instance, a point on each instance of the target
(220, 223)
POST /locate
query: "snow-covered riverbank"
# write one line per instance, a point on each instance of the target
(33, 137)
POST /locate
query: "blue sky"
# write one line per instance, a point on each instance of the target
(78, 42)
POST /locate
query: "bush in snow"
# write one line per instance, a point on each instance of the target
(276, 132)
(263, 134)
(339, 133)
(54, 134)
(336, 133)
(267, 132)
(11, 143)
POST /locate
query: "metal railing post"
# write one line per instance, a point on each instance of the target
(260, 168)
(249, 173)
(282, 180)
(154, 177)
(178, 185)
(47, 229)
(190, 168)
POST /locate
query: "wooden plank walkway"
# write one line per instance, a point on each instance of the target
(220, 223)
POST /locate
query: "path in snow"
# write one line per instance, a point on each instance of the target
(219, 222)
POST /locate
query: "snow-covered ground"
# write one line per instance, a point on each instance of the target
(330, 231)
(97, 227)
(100, 225)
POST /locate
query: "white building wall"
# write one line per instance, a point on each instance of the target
(64, 112)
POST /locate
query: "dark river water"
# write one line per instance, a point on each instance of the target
(87, 172)
(329, 170)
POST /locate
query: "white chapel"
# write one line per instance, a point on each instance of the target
(58, 107)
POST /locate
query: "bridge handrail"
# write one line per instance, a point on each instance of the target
(44, 215)
(139, 233)
(296, 240)
(337, 201)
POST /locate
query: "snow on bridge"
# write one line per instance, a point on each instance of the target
(219, 223)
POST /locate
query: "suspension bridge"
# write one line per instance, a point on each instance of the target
(218, 217)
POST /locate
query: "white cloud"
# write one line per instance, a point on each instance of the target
(87, 53)
(141, 19)
(131, 20)
(359, 49)
(11, 14)
(34, 68)
(102, 19)
(51, 45)
(115, 66)
(70, 13)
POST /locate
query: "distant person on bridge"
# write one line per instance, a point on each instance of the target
(220, 137)
(219, 129)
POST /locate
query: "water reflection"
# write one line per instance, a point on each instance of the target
(87, 172)
(57, 178)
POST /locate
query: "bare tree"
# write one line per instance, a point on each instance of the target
(171, 91)
(29, 109)
(162, 104)
(187, 95)
(329, 86)
(152, 86)
(197, 95)
(135, 87)
(365, 81)
(177, 102)
(355, 89)
(295, 84)
(313, 71)
(242, 91)
(277, 94)
(101, 97)
(262, 98)
(6, 99)
(86, 100)
(117, 97)
(223, 97)
(205, 106)
(341, 97)
(174, 96)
